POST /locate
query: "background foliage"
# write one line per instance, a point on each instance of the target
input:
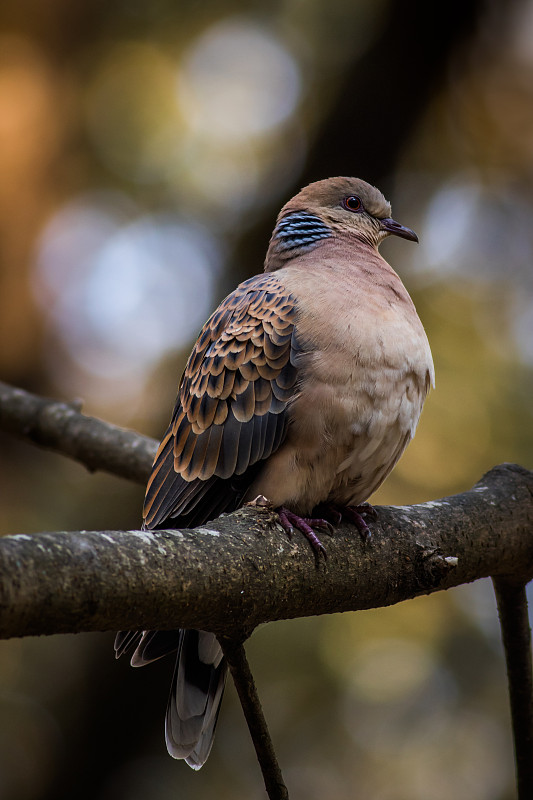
(145, 149)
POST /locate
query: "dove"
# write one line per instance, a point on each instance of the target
(304, 386)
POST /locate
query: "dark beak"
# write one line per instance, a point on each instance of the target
(391, 226)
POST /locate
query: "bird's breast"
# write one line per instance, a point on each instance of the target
(364, 368)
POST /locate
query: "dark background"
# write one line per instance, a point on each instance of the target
(145, 149)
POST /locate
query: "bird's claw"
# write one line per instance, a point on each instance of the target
(366, 509)
(354, 514)
(289, 521)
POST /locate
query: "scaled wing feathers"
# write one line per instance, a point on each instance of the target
(231, 408)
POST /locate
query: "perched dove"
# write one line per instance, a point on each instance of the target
(305, 386)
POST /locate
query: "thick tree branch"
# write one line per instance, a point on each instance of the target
(60, 427)
(241, 570)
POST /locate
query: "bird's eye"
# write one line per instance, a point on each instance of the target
(352, 203)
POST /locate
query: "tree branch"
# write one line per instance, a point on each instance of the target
(245, 685)
(516, 636)
(60, 427)
(241, 570)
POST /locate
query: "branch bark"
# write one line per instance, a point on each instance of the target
(516, 636)
(62, 428)
(241, 570)
(245, 685)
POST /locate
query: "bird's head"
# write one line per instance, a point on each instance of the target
(328, 208)
(350, 204)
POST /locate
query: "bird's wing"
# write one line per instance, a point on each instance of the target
(231, 410)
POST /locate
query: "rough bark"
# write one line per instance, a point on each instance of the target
(61, 427)
(516, 636)
(241, 570)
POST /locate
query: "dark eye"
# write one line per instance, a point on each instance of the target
(352, 203)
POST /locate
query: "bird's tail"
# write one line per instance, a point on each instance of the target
(195, 696)
(197, 686)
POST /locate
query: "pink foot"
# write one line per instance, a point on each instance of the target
(353, 514)
(289, 521)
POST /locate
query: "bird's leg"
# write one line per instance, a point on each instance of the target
(355, 514)
(289, 521)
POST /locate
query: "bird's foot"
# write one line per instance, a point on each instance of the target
(289, 521)
(355, 514)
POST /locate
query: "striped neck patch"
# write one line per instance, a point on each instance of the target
(298, 231)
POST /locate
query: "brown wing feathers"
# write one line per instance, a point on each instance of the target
(231, 407)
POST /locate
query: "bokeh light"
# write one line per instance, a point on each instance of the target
(237, 81)
(121, 293)
(131, 113)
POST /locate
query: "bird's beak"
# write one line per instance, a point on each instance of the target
(391, 226)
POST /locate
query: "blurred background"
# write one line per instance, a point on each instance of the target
(146, 147)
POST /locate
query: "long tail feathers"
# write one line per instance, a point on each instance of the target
(194, 702)
(197, 686)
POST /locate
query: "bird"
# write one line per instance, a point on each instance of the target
(304, 387)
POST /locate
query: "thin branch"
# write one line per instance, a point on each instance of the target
(61, 427)
(246, 689)
(241, 570)
(516, 635)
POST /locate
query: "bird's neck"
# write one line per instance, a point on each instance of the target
(296, 233)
